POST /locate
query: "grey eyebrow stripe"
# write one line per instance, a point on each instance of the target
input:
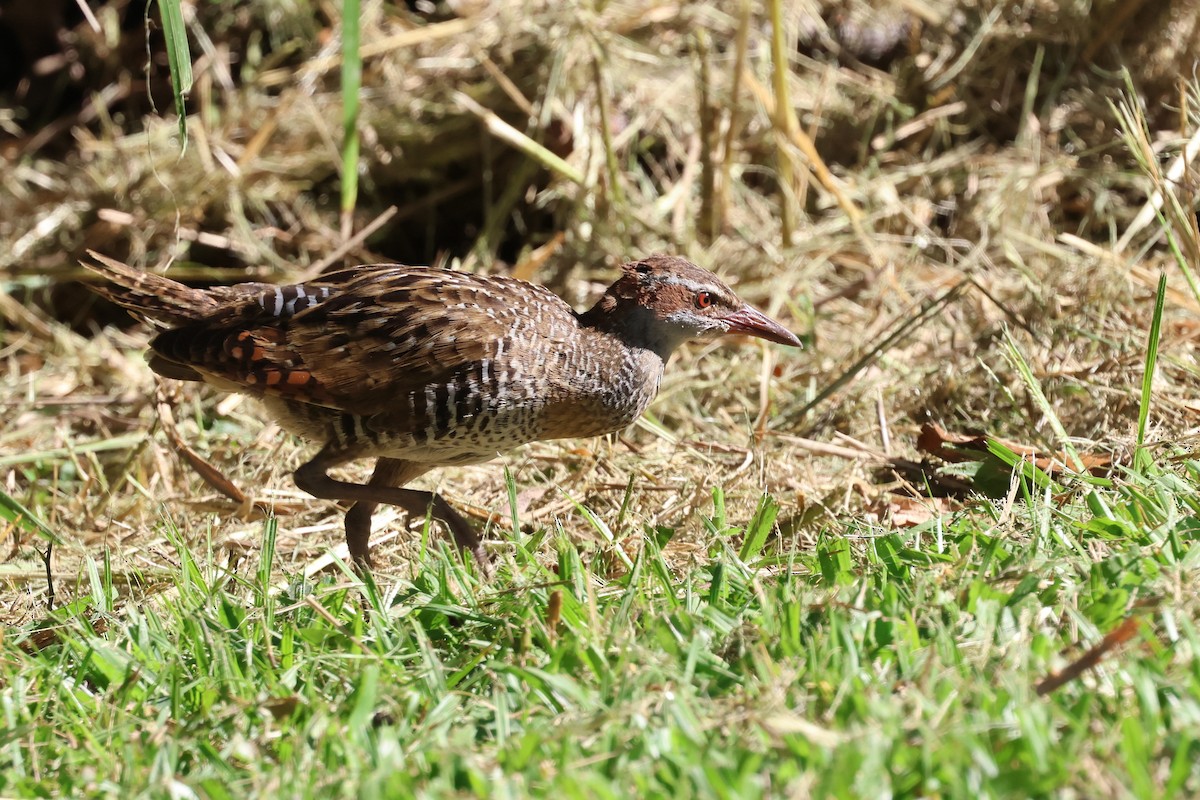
(675, 280)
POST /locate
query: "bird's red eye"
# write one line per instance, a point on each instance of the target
(703, 299)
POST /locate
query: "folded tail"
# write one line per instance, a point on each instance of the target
(148, 295)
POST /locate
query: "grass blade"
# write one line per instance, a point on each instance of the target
(782, 124)
(1141, 458)
(759, 528)
(507, 133)
(908, 323)
(1039, 399)
(510, 486)
(179, 60)
(351, 84)
(12, 510)
(1035, 475)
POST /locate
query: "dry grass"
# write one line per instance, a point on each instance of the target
(965, 161)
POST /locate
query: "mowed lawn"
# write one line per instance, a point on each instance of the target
(948, 550)
(874, 664)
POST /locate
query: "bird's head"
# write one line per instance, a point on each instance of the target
(662, 301)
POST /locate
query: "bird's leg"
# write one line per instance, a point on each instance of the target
(313, 478)
(389, 472)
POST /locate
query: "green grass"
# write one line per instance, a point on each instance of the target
(877, 664)
(787, 648)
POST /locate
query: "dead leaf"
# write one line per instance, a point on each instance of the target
(554, 612)
(959, 447)
(1117, 636)
(528, 269)
(908, 512)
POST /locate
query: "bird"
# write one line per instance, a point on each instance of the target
(422, 367)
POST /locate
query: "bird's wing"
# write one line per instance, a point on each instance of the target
(357, 340)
